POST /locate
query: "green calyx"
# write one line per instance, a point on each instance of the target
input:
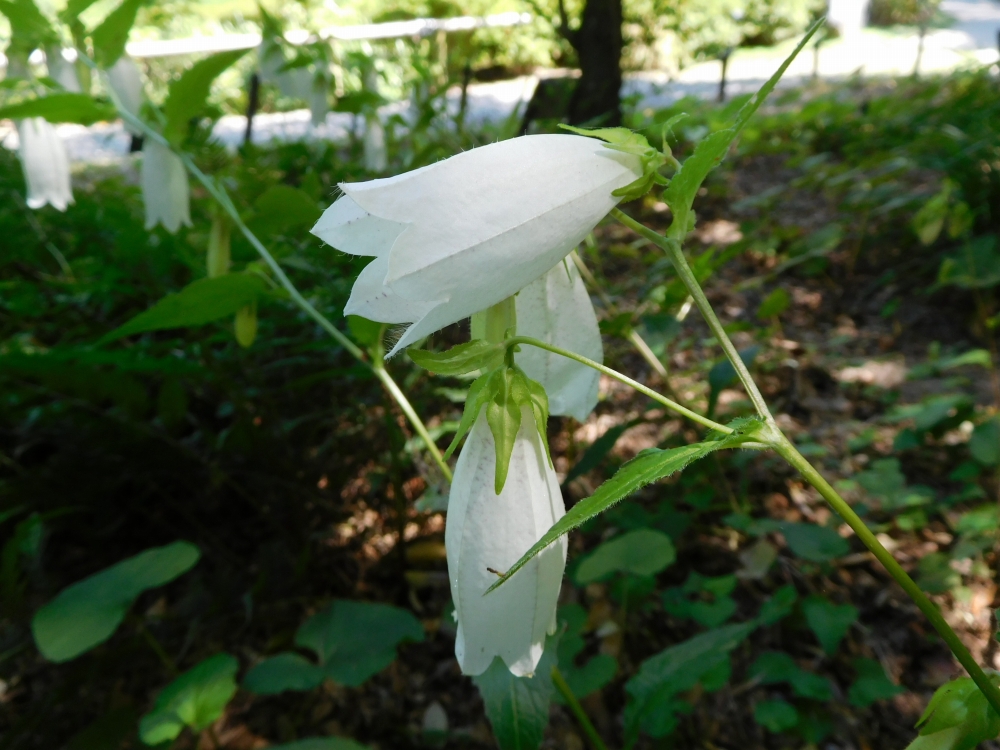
(504, 392)
(630, 142)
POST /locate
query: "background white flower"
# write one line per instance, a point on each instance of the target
(456, 237)
(556, 309)
(126, 81)
(164, 187)
(489, 530)
(45, 163)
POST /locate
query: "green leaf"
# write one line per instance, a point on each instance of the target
(984, 444)
(958, 717)
(366, 332)
(188, 94)
(710, 151)
(596, 672)
(597, 451)
(73, 10)
(285, 671)
(355, 640)
(814, 543)
(776, 666)
(195, 305)
(830, 622)
(87, 613)
(477, 354)
(195, 699)
(723, 374)
(480, 392)
(677, 669)
(872, 684)
(774, 304)
(321, 743)
(62, 106)
(929, 220)
(649, 466)
(976, 265)
(642, 552)
(775, 715)
(29, 27)
(503, 414)
(107, 732)
(110, 37)
(283, 207)
(518, 707)
(779, 606)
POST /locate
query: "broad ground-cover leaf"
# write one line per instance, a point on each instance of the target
(815, 543)
(776, 666)
(675, 670)
(830, 622)
(649, 466)
(518, 707)
(188, 94)
(321, 743)
(88, 612)
(62, 106)
(195, 699)
(196, 304)
(643, 552)
(597, 672)
(283, 207)
(775, 715)
(872, 684)
(352, 641)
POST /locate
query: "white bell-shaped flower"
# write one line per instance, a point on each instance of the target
(164, 187)
(61, 69)
(126, 81)
(556, 309)
(376, 159)
(45, 163)
(456, 237)
(486, 530)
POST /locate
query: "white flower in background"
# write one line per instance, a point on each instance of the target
(61, 69)
(376, 159)
(486, 530)
(556, 309)
(164, 187)
(319, 101)
(45, 163)
(126, 81)
(456, 237)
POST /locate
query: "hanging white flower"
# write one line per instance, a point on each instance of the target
(126, 81)
(486, 530)
(61, 69)
(45, 163)
(456, 237)
(374, 144)
(164, 187)
(556, 309)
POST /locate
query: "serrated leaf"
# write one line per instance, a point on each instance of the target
(477, 354)
(518, 707)
(88, 612)
(110, 36)
(29, 27)
(195, 305)
(710, 151)
(188, 94)
(195, 699)
(648, 466)
(63, 106)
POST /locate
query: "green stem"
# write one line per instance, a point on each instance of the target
(787, 451)
(353, 349)
(574, 705)
(673, 405)
(673, 250)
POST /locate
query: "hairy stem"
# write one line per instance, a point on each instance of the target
(222, 197)
(574, 705)
(672, 405)
(673, 250)
(787, 451)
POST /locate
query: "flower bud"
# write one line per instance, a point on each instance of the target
(164, 187)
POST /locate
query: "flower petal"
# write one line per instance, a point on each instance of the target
(164, 187)
(489, 530)
(351, 229)
(556, 309)
(371, 299)
(45, 163)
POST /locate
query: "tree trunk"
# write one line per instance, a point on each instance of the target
(598, 45)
